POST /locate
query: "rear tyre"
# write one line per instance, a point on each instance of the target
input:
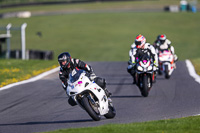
(88, 107)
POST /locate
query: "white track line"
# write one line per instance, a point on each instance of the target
(31, 79)
(192, 71)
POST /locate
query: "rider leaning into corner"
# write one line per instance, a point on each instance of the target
(67, 64)
(138, 48)
(162, 43)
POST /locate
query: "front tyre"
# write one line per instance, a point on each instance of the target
(88, 107)
(145, 88)
(167, 76)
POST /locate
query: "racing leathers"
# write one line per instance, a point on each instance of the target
(166, 46)
(76, 63)
(135, 53)
(64, 73)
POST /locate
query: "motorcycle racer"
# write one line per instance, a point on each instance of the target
(155, 43)
(67, 64)
(165, 44)
(138, 48)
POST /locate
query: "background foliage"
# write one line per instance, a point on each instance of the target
(108, 36)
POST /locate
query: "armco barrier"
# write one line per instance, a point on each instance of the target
(33, 54)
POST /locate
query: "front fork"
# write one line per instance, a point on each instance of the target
(139, 79)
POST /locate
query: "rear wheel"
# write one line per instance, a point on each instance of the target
(91, 109)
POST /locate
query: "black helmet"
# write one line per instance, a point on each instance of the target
(64, 57)
(158, 37)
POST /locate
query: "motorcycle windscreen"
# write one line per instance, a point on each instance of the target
(75, 74)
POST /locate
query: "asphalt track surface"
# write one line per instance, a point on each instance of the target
(42, 105)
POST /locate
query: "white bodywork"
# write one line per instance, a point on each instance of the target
(145, 66)
(166, 58)
(82, 84)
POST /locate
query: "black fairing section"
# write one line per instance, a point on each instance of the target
(101, 82)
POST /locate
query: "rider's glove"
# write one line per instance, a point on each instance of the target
(90, 70)
(155, 68)
(63, 85)
(92, 76)
(129, 62)
(155, 63)
(131, 65)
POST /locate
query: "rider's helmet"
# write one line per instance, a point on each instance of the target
(158, 37)
(64, 60)
(162, 38)
(140, 41)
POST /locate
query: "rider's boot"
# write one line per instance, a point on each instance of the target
(108, 93)
(134, 80)
(155, 74)
(175, 58)
(174, 65)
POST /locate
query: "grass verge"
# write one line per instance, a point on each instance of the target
(182, 125)
(108, 36)
(12, 71)
(196, 64)
(95, 5)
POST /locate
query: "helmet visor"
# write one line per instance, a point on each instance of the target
(162, 41)
(64, 62)
(138, 43)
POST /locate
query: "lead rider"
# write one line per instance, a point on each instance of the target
(67, 64)
(138, 48)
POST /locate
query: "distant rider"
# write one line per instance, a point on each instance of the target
(138, 48)
(67, 64)
(165, 44)
(155, 43)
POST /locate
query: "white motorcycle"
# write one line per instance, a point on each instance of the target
(145, 74)
(166, 63)
(89, 96)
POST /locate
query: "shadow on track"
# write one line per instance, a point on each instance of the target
(126, 97)
(47, 122)
(119, 84)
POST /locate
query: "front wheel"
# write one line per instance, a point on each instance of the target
(145, 87)
(95, 115)
(167, 76)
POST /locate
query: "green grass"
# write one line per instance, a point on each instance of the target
(17, 70)
(95, 6)
(108, 36)
(183, 125)
(196, 63)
